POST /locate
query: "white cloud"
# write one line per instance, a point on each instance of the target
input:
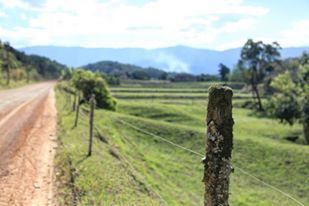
(14, 4)
(238, 26)
(296, 35)
(231, 44)
(2, 14)
(96, 24)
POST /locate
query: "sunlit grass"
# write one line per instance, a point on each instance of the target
(137, 169)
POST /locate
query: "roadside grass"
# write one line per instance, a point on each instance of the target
(130, 168)
(13, 84)
(102, 179)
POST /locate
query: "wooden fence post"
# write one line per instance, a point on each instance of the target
(77, 109)
(91, 115)
(219, 144)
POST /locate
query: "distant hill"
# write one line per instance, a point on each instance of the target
(126, 70)
(32, 66)
(171, 59)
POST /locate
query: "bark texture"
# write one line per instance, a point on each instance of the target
(219, 146)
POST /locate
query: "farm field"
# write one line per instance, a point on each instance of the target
(169, 95)
(170, 91)
(132, 166)
(161, 84)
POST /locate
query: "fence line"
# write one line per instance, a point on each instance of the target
(163, 139)
(269, 185)
(201, 155)
(83, 115)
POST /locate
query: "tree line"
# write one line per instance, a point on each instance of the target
(116, 72)
(17, 66)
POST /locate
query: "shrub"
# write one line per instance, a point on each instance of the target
(89, 83)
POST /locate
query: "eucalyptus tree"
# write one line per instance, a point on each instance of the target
(257, 58)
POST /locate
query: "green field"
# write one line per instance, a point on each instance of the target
(157, 84)
(175, 91)
(129, 167)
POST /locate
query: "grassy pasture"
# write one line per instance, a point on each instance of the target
(167, 95)
(132, 93)
(131, 168)
(157, 90)
(169, 85)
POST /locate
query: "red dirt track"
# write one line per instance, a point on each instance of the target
(27, 145)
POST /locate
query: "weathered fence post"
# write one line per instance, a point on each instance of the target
(77, 109)
(219, 146)
(91, 115)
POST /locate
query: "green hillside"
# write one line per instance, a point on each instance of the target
(17, 68)
(129, 167)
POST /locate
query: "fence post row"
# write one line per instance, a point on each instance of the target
(219, 144)
(91, 115)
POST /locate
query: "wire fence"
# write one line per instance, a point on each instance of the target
(243, 171)
(201, 156)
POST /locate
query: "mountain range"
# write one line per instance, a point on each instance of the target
(172, 59)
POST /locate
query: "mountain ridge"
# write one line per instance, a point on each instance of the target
(172, 59)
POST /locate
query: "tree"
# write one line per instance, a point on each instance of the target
(8, 63)
(291, 100)
(36, 67)
(89, 83)
(140, 75)
(66, 74)
(224, 71)
(28, 67)
(304, 59)
(237, 75)
(257, 58)
(207, 77)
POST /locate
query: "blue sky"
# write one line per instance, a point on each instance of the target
(220, 24)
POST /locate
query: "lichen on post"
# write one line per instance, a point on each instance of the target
(219, 144)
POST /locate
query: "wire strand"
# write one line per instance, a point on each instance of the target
(269, 185)
(125, 159)
(201, 155)
(163, 139)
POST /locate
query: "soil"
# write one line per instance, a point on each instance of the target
(28, 120)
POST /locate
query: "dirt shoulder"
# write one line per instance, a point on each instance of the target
(26, 161)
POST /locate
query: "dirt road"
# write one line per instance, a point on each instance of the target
(27, 145)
